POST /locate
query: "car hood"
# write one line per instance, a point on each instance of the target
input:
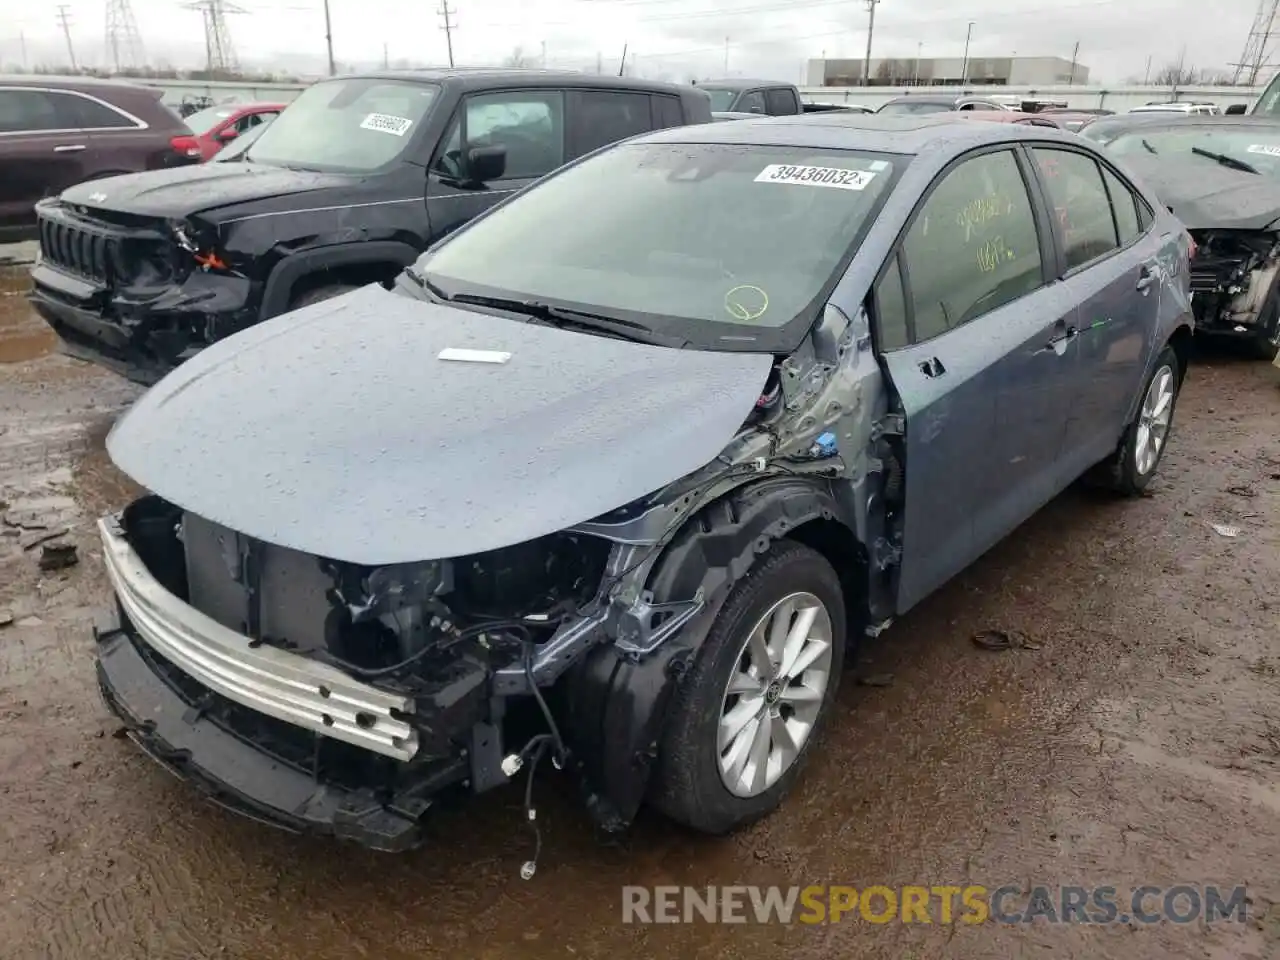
(181, 191)
(337, 429)
(1205, 196)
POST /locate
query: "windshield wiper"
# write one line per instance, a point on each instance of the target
(1226, 160)
(1150, 148)
(425, 284)
(568, 317)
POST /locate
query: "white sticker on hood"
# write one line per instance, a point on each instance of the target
(1270, 149)
(386, 123)
(815, 176)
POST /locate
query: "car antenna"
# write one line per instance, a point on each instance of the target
(622, 65)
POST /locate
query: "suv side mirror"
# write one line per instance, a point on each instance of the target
(1236, 109)
(486, 163)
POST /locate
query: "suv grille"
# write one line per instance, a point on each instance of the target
(80, 251)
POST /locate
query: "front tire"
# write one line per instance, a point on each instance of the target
(1144, 441)
(746, 715)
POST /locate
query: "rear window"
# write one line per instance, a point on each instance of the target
(202, 121)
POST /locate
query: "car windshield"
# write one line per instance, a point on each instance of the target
(202, 121)
(721, 98)
(351, 125)
(719, 245)
(916, 106)
(1257, 147)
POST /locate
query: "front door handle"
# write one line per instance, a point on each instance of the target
(69, 148)
(1059, 344)
(1146, 277)
(932, 367)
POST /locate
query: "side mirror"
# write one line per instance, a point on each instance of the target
(227, 135)
(1236, 109)
(486, 163)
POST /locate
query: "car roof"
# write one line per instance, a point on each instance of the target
(847, 131)
(487, 77)
(83, 84)
(1007, 116)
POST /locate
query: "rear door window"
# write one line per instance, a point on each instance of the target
(600, 117)
(529, 123)
(1125, 206)
(781, 103)
(92, 115)
(1081, 206)
(666, 111)
(752, 102)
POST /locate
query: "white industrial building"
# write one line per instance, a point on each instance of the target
(949, 71)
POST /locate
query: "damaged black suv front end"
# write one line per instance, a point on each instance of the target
(138, 294)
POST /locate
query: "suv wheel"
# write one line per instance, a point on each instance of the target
(747, 712)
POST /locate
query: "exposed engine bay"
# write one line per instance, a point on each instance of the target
(1233, 280)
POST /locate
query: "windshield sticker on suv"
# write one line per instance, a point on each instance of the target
(1270, 149)
(386, 123)
(815, 176)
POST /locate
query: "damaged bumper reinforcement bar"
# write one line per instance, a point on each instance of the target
(280, 684)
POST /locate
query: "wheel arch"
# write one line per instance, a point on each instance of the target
(353, 263)
(617, 703)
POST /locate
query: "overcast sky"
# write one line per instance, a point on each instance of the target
(668, 38)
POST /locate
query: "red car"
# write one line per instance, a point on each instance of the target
(214, 127)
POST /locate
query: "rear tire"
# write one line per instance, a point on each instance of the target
(1145, 439)
(709, 777)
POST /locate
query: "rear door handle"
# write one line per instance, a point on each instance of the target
(932, 367)
(69, 148)
(1059, 344)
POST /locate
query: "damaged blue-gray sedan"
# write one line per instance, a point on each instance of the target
(615, 474)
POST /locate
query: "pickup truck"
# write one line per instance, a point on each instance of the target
(345, 188)
(737, 98)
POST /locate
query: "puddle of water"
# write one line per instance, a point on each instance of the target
(23, 335)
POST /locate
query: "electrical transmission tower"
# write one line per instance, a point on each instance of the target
(449, 26)
(124, 43)
(1257, 48)
(220, 55)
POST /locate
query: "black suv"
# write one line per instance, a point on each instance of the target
(345, 188)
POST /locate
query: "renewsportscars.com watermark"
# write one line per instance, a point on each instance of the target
(972, 904)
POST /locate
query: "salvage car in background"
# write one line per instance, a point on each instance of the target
(215, 127)
(639, 484)
(1221, 177)
(55, 132)
(924, 103)
(344, 188)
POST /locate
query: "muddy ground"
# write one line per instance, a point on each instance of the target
(1137, 742)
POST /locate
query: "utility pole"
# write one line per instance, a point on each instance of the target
(220, 55)
(964, 69)
(328, 38)
(726, 56)
(599, 63)
(544, 55)
(386, 61)
(64, 20)
(449, 26)
(915, 80)
(22, 42)
(1146, 77)
(871, 29)
(1075, 52)
(1258, 43)
(622, 64)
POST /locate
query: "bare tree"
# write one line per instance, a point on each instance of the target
(516, 58)
(1175, 75)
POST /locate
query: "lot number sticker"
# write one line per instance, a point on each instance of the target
(815, 176)
(386, 123)
(1270, 149)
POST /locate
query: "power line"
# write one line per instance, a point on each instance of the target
(448, 27)
(123, 39)
(64, 20)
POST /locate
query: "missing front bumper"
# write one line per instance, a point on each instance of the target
(232, 773)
